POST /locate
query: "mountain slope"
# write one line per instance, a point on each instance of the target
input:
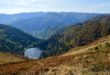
(44, 25)
(91, 55)
(13, 40)
(77, 36)
(93, 61)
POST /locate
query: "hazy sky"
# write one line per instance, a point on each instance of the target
(17, 6)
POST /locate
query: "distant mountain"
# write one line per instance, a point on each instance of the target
(44, 25)
(9, 18)
(13, 40)
(77, 35)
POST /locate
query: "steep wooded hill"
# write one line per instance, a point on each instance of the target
(13, 40)
(77, 35)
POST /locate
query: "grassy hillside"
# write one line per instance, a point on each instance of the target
(87, 50)
(13, 40)
(77, 35)
(6, 58)
(92, 59)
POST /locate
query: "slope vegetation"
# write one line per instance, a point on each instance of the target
(93, 60)
(87, 50)
(13, 40)
(6, 58)
(78, 35)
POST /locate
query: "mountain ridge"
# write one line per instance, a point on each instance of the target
(41, 24)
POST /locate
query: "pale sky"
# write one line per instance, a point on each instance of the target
(19, 6)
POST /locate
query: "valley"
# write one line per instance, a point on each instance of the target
(79, 49)
(93, 61)
(54, 37)
(44, 24)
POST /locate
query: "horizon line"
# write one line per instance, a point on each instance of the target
(54, 12)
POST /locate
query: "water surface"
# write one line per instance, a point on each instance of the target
(32, 53)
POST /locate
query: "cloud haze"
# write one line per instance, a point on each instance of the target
(17, 6)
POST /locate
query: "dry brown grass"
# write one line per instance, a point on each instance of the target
(6, 58)
(84, 49)
(91, 61)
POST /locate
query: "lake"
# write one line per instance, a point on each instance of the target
(32, 53)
